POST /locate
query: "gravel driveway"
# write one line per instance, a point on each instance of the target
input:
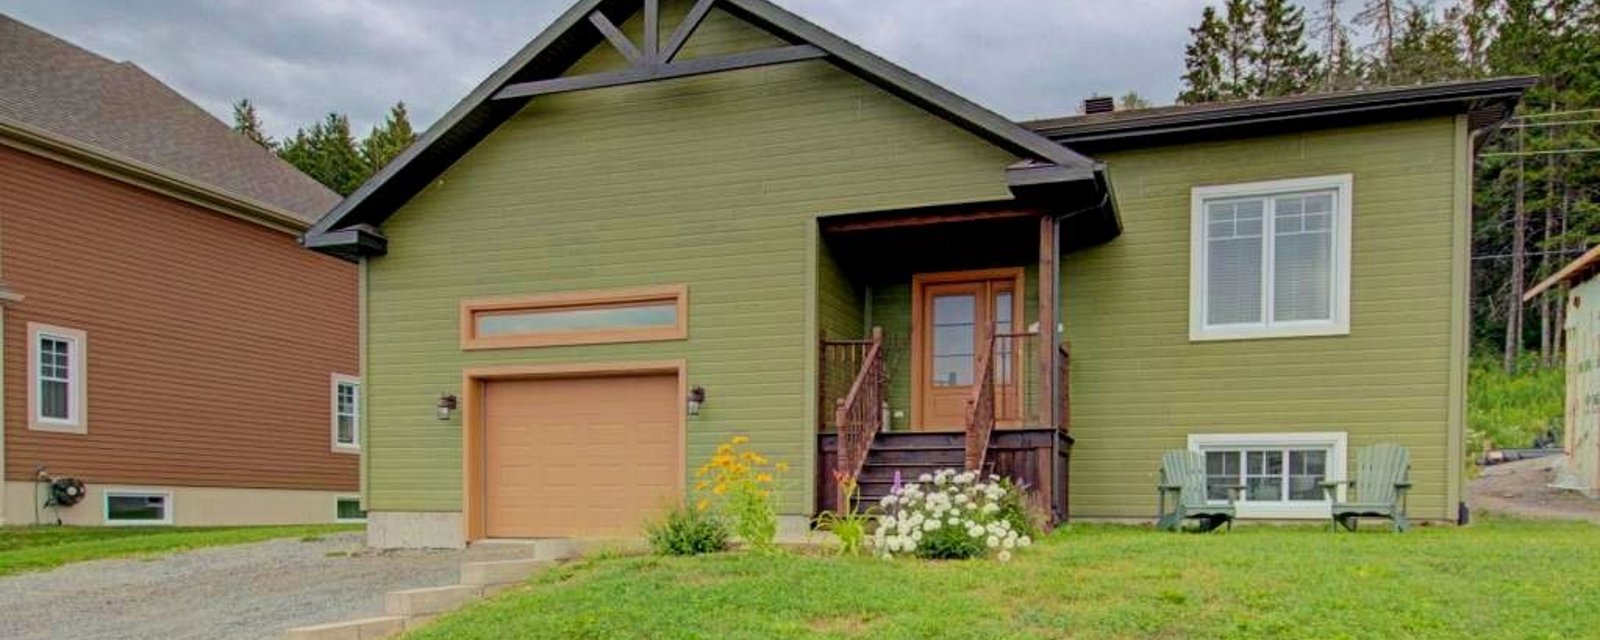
(237, 592)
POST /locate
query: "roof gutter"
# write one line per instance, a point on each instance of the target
(50, 145)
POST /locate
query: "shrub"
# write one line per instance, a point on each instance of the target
(1511, 410)
(1025, 511)
(738, 484)
(949, 515)
(687, 532)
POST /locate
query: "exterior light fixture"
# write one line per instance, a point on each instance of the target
(697, 397)
(446, 406)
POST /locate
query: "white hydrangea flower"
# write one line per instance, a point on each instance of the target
(1024, 541)
(1005, 556)
(992, 542)
(1008, 543)
(924, 478)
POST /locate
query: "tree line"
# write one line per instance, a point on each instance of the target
(328, 151)
(1536, 202)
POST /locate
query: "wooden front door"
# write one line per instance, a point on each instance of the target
(951, 312)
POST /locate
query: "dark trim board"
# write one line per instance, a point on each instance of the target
(654, 72)
(1487, 103)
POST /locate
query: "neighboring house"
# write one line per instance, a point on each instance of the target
(166, 340)
(755, 210)
(1580, 470)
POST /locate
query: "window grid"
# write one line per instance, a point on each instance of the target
(54, 376)
(1275, 474)
(347, 413)
(1270, 219)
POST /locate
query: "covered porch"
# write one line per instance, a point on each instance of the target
(941, 347)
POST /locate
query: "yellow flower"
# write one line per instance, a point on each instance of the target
(763, 477)
(782, 467)
(719, 489)
(737, 440)
(703, 505)
(702, 485)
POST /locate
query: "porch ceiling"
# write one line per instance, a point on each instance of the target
(956, 237)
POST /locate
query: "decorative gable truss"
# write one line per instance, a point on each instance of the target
(1048, 176)
(657, 61)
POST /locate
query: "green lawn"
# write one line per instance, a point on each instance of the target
(1496, 579)
(44, 547)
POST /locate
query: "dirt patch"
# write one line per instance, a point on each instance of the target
(1522, 489)
(856, 625)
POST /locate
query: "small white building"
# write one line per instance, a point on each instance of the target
(1581, 468)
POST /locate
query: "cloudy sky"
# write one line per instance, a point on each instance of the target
(298, 59)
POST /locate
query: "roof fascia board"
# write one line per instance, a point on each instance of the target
(1316, 107)
(47, 144)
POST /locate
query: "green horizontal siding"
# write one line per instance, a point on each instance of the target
(1139, 386)
(713, 181)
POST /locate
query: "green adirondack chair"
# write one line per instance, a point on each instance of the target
(1379, 489)
(1183, 476)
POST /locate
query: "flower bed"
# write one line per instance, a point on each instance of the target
(952, 515)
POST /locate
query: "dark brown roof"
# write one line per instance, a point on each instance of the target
(1487, 103)
(53, 85)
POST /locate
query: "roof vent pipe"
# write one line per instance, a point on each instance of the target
(1099, 104)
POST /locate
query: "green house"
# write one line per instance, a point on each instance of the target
(664, 224)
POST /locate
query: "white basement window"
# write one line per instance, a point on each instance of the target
(56, 394)
(1270, 259)
(346, 413)
(138, 507)
(1282, 472)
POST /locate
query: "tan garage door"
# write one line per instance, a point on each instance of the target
(579, 457)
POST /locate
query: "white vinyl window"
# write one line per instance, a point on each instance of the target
(56, 400)
(1270, 259)
(346, 413)
(138, 507)
(1282, 473)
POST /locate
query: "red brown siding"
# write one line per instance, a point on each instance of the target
(211, 340)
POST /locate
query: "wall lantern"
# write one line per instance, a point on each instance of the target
(446, 406)
(697, 397)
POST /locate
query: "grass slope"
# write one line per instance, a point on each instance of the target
(44, 547)
(1495, 579)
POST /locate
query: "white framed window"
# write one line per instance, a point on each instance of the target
(57, 395)
(1270, 259)
(1282, 473)
(346, 413)
(136, 507)
(348, 509)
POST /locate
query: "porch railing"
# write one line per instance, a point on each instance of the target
(1009, 391)
(859, 415)
(981, 407)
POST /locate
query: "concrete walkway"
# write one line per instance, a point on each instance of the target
(239, 592)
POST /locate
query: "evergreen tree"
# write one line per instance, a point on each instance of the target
(246, 121)
(1383, 18)
(389, 139)
(1132, 100)
(328, 153)
(1202, 60)
(1341, 68)
(1239, 50)
(1283, 62)
(1426, 50)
